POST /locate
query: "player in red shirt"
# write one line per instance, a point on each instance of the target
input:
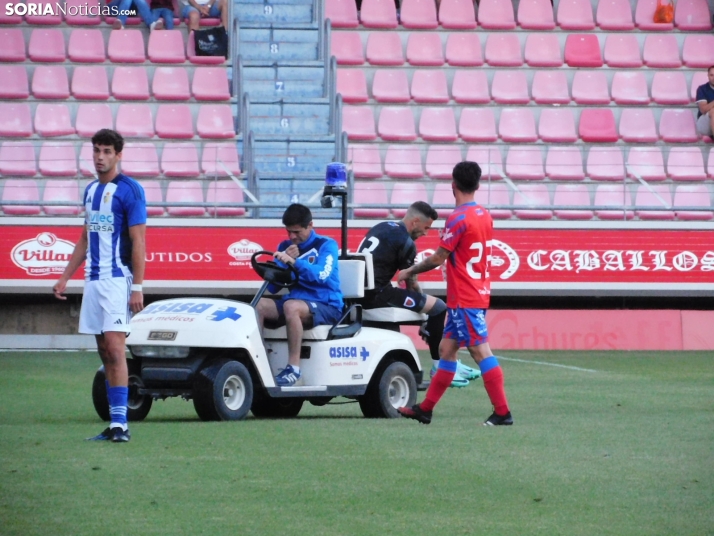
(466, 248)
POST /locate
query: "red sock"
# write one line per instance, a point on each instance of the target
(493, 382)
(438, 386)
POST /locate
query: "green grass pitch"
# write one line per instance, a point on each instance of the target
(606, 444)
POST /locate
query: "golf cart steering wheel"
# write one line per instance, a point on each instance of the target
(283, 277)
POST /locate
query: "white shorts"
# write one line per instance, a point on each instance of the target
(704, 125)
(105, 306)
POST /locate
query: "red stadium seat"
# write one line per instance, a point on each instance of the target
(489, 159)
(44, 20)
(550, 87)
(65, 191)
(135, 120)
(218, 157)
(50, 82)
(457, 14)
(477, 125)
(510, 87)
(678, 126)
(378, 14)
(86, 46)
(53, 120)
(685, 164)
(613, 196)
(83, 12)
(13, 44)
(342, 13)
(366, 161)
(352, 85)
(597, 125)
(396, 124)
(496, 15)
(126, 46)
(630, 88)
(403, 162)
(605, 164)
(58, 159)
(564, 163)
(429, 87)
(130, 83)
(537, 200)
(698, 51)
(503, 50)
(390, 85)
(575, 15)
(384, 48)
(15, 120)
(543, 50)
(214, 121)
(492, 195)
(90, 82)
(646, 163)
(185, 192)
(536, 15)
(153, 194)
(464, 50)
(225, 192)
(8, 19)
(406, 193)
(418, 14)
(166, 47)
(347, 47)
(92, 117)
(86, 160)
(692, 195)
(622, 51)
(670, 87)
(470, 86)
(46, 45)
(557, 126)
(661, 51)
(443, 196)
(180, 160)
(525, 163)
(651, 200)
(441, 159)
(139, 159)
(21, 190)
(371, 193)
(583, 50)
(575, 195)
(425, 48)
(693, 16)
(615, 15)
(437, 124)
(517, 125)
(171, 83)
(644, 17)
(710, 165)
(17, 159)
(358, 122)
(13, 82)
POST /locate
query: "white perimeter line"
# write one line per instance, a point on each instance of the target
(539, 363)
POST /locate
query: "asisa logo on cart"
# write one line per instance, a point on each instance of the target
(43, 255)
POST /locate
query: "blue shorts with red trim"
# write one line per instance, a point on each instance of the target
(466, 326)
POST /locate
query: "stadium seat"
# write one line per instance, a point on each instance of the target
(685, 164)
(403, 162)
(64, 191)
(437, 124)
(622, 51)
(166, 47)
(503, 50)
(646, 163)
(219, 159)
(153, 194)
(384, 48)
(171, 83)
(535, 196)
(342, 14)
(517, 125)
(652, 202)
(575, 15)
(550, 87)
(510, 87)
(698, 51)
(638, 125)
(583, 50)
(366, 161)
(17, 159)
(13, 48)
(689, 196)
(525, 163)
(135, 120)
(209, 83)
(678, 126)
(8, 19)
(130, 83)
(201, 60)
(378, 14)
(41, 19)
(352, 85)
(390, 85)
(493, 195)
(92, 117)
(575, 195)
(90, 82)
(597, 125)
(670, 87)
(86, 46)
(464, 50)
(590, 87)
(13, 82)
(371, 193)
(490, 160)
(15, 120)
(564, 163)
(225, 192)
(347, 47)
(557, 126)
(477, 125)
(470, 86)
(457, 14)
(644, 17)
(443, 197)
(543, 50)
(406, 193)
(418, 14)
(179, 160)
(21, 190)
(630, 88)
(710, 165)
(615, 15)
(661, 51)
(441, 159)
(50, 82)
(693, 16)
(185, 192)
(425, 48)
(358, 122)
(496, 15)
(536, 15)
(58, 159)
(429, 87)
(214, 121)
(613, 195)
(605, 164)
(697, 80)
(86, 160)
(46, 45)
(139, 159)
(126, 46)
(83, 12)
(396, 124)
(53, 120)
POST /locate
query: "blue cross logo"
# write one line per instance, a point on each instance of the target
(364, 354)
(222, 314)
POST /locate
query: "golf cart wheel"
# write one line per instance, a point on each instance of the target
(223, 392)
(138, 406)
(394, 388)
(276, 408)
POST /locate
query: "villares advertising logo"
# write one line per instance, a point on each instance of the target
(56, 9)
(242, 251)
(43, 255)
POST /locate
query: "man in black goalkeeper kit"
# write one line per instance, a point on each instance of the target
(391, 244)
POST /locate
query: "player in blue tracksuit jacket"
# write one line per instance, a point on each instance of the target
(316, 299)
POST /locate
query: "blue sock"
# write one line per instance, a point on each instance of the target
(117, 406)
(488, 364)
(448, 366)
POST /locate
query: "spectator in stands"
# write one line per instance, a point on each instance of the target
(194, 10)
(705, 101)
(316, 299)
(142, 7)
(163, 9)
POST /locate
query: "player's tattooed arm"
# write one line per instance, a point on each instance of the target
(431, 262)
(413, 284)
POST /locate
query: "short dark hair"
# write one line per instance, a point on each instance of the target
(710, 68)
(423, 209)
(466, 176)
(107, 136)
(297, 214)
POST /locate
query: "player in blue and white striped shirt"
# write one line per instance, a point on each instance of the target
(113, 244)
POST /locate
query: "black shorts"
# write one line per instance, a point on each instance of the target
(391, 296)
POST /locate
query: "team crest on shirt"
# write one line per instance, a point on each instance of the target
(409, 302)
(310, 256)
(107, 196)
